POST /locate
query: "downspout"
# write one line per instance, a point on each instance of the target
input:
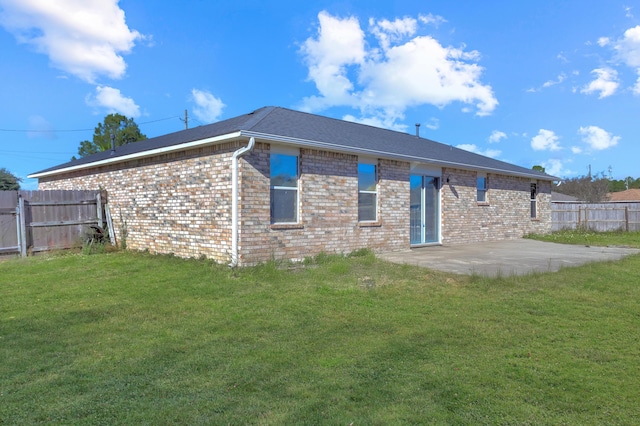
(234, 199)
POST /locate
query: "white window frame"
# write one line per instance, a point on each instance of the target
(292, 152)
(483, 190)
(370, 162)
(534, 199)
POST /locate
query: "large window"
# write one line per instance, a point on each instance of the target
(481, 185)
(284, 188)
(367, 192)
(534, 193)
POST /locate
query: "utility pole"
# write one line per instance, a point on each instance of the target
(186, 119)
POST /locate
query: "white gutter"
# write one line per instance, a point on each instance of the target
(234, 200)
(142, 154)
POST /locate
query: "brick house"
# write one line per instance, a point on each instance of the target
(282, 184)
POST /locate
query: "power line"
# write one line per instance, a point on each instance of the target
(45, 131)
(80, 130)
(29, 152)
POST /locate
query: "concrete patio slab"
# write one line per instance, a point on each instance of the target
(505, 258)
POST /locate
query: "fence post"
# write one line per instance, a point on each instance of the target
(626, 217)
(99, 209)
(579, 216)
(586, 218)
(19, 236)
(22, 214)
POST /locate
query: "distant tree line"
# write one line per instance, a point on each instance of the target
(592, 188)
(624, 184)
(9, 181)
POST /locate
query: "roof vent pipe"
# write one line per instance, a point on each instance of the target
(417, 130)
(113, 144)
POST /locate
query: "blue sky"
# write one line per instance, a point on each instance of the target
(552, 83)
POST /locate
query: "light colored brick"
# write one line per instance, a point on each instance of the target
(181, 203)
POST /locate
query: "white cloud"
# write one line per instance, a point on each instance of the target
(607, 83)
(627, 51)
(555, 167)
(388, 32)
(493, 153)
(404, 70)
(208, 108)
(378, 121)
(562, 77)
(340, 43)
(433, 124)
(576, 150)
(83, 38)
(496, 136)
(603, 41)
(111, 99)
(628, 47)
(628, 13)
(432, 19)
(545, 140)
(636, 87)
(598, 138)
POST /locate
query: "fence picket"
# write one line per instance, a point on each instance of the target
(598, 217)
(47, 220)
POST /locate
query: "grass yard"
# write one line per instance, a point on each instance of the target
(131, 338)
(591, 238)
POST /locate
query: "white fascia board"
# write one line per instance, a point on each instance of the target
(141, 154)
(382, 154)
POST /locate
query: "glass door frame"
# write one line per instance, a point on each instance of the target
(435, 208)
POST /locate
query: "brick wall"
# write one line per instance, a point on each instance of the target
(175, 203)
(505, 215)
(181, 203)
(328, 215)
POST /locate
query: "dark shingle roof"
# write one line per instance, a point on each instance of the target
(301, 128)
(558, 196)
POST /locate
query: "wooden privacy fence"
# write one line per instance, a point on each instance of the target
(613, 216)
(35, 221)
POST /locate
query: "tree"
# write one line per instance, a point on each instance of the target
(9, 181)
(125, 130)
(539, 169)
(623, 184)
(592, 189)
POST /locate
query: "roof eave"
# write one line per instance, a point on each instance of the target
(285, 140)
(389, 155)
(138, 155)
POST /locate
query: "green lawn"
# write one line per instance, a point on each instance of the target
(131, 338)
(591, 238)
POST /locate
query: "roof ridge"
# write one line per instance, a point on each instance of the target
(257, 118)
(353, 122)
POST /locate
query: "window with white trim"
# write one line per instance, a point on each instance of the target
(481, 186)
(284, 188)
(367, 192)
(534, 196)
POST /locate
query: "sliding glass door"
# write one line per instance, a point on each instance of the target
(425, 212)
